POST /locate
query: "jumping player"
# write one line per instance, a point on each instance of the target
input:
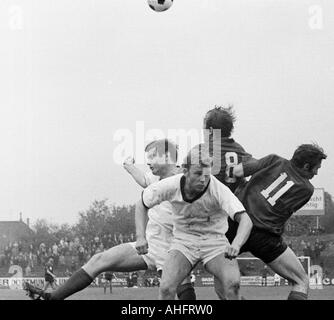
(201, 207)
(277, 188)
(218, 125)
(162, 158)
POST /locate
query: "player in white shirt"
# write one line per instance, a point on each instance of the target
(201, 205)
(162, 158)
(277, 280)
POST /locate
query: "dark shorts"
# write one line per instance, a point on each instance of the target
(261, 243)
(49, 279)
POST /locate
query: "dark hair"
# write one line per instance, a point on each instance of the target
(222, 118)
(308, 153)
(163, 147)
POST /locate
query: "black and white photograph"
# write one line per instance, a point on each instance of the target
(166, 150)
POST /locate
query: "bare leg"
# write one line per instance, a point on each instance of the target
(176, 268)
(122, 258)
(227, 277)
(289, 267)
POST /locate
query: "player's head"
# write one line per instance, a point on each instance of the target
(50, 261)
(160, 154)
(197, 167)
(220, 118)
(307, 158)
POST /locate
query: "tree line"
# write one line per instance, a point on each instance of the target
(103, 219)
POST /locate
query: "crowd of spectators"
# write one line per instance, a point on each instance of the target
(309, 248)
(68, 254)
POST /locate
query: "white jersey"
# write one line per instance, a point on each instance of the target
(159, 231)
(160, 214)
(204, 217)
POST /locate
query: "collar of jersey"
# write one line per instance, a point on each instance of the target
(184, 197)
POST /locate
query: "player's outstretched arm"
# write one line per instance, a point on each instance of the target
(136, 173)
(243, 232)
(251, 166)
(141, 219)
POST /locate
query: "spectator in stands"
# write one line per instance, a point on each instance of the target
(74, 266)
(67, 273)
(156, 281)
(61, 261)
(15, 249)
(7, 254)
(147, 282)
(115, 239)
(110, 242)
(31, 260)
(2, 260)
(55, 249)
(71, 247)
(135, 279)
(81, 255)
(27, 271)
(76, 243)
(307, 249)
(132, 238)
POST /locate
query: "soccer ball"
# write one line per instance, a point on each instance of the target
(160, 5)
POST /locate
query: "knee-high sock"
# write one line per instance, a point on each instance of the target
(186, 292)
(78, 281)
(295, 295)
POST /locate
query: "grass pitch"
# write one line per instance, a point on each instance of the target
(203, 293)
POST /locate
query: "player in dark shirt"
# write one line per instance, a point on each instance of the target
(265, 273)
(277, 188)
(49, 276)
(108, 275)
(218, 125)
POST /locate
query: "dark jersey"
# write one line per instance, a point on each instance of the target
(48, 267)
(274, 192)
(227, 153)
(108, 275)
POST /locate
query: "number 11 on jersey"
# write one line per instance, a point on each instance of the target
(266, 192)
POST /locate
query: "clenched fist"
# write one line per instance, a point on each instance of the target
(141, 246)
(129, 161)
(231, 251)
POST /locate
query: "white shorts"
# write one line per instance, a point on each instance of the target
(200, 250)
(159, 240)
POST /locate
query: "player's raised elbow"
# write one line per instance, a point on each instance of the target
(243, 218)
(247, 220)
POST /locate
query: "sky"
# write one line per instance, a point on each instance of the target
(81, 79)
